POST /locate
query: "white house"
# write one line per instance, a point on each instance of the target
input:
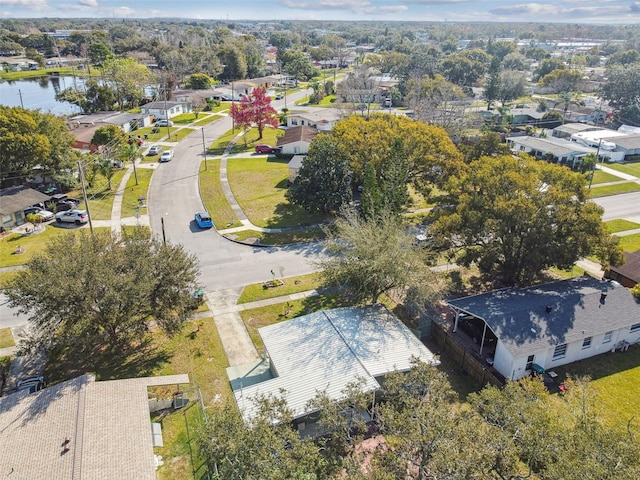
(296, 140)
(552, 324)
(162, 110)
(323, 119)
(561, 151)
(326, 351)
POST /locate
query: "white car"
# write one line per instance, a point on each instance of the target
(164, 123)
(166, 156)
(155, 150)
(73, 216)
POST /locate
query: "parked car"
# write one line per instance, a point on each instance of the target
(73, 216)
(264, 148)
(155, 150)
(164, 123)
(64, 206)
(166, 156)
(45, 214)
(203, 219)
(31, 384)
(62, 197)
(279, 96)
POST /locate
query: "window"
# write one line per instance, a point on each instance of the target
(586, 343)
(529, 362)
(607, 337)
(635, 328)
(560, 351)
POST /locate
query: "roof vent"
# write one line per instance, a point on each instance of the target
(603, 298)
(548, 308)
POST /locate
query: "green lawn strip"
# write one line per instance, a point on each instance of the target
(213, 196)
(251, 138)
(628, 168)
(202, 121)
(260, 317)
(620, 225)
(259, 185)
(614, 189)
(197, 351)
(151, 158)
(284, 238)
(6, 338)
(302, 283)
(31, 245)
(630, 243)
(566, 274)
(133, 192)
(604, 177)
(177, 134)
(100, 197)
(6, 277)
(614, 379)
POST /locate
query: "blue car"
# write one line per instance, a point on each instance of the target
(203, 219)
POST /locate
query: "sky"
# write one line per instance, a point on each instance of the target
(541, 11)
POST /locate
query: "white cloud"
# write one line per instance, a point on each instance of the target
(29, 4)
(327, 4)
(88, 3)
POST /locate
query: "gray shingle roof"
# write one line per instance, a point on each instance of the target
(520, 319)
(15, 199)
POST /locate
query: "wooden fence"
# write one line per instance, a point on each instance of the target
(463, 358)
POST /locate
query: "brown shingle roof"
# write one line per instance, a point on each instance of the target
(298, 134)
(631, 267)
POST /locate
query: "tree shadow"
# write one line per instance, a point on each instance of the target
(142, 359)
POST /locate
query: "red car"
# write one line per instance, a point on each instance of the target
(263, 148)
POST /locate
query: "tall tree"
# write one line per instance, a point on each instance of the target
(622, 90)
(373, 256)
(371, 198)
(512, 86)
(255, 110)
(562, 80)
(127, 78)
(32, 140)
(517, 217)
(120, 284)
(323, 183)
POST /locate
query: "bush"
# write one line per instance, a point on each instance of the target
(65, 181)
(635, 291)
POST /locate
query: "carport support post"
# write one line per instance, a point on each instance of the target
(84, 197)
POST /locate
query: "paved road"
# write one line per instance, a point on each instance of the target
(173, 199)
(626, 206)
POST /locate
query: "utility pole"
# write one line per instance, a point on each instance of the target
(166, 115)
(233, 129)
(164, 237)
(84, 197)
(204, 149)
(593, 172)
(133, 159)
(20, 93)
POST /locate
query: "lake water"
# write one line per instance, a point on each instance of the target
(39, 93)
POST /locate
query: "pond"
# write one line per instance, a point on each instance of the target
(39, 93)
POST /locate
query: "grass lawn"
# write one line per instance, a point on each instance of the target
(614, 189)
(621, 225)
(565, 274)
(302, 283)
(259, 184)
(283, 238)
(603, 177)
(99, 195)
(614, 380)
(6, 338)
(213, 196)
(629, 168)
(246, 143)
(206, 120)
(630, 243)
(133, 192)
(32, 244)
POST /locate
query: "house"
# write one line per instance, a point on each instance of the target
(162, 110)
(552, 324)
(294, 166)
(557, 150)
(586, 115)
(324, 119)
(84, 126)
(628, 145)
(326, 351)
(296, 140)
(628, 275)
(82, 429)
(565, 131)
(14, 200)
(525, 116)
